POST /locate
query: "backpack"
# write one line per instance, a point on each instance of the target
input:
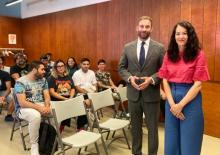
(47, 137)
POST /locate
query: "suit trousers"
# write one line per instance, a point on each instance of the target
(184, 137)
(151, 112)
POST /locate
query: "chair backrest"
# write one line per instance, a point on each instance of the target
(122, 93)
(15, 99)
(69, 108)
(101, 99)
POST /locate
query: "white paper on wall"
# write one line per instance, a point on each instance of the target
(12, 39)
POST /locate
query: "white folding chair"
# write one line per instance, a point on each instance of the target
(74, 107)
(105, 99)
(122, 93)
(19, 124)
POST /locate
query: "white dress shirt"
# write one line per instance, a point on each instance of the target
(146, 47)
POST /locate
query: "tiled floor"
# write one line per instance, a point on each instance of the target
(210, 144)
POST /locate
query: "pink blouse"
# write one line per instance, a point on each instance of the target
(181, 72)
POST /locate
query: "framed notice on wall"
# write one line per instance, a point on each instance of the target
(12, 39)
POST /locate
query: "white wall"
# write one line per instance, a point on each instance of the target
(30, 8)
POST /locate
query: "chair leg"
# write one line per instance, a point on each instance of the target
(113, 134)
(21, 132)
(79, 151)
(54, 146)
(126, 138)
(60, 143)
(107, 135)
(13, 129)
(86, 148)
(97, 149)
(63, 152)
(97, 113)
(101, 112)
(22, 135)
(105, 148)
(1, 106)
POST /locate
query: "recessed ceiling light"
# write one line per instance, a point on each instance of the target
(13, 2)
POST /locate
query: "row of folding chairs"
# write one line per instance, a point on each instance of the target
(74, 107)
(62, 110)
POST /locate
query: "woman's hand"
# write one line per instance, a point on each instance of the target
(176, 110)
(180, 116)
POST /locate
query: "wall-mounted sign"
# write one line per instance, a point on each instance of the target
(12, 39)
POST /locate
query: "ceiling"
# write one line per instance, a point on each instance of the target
(11, 11)
(30, 8)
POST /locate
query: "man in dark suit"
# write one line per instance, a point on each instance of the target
(138, 66)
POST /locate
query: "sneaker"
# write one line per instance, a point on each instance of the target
(34, 149)
(61, 128)
(9, 118)
(80, 129)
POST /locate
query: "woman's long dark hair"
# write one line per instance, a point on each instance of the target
(75, 63)
(192, 46)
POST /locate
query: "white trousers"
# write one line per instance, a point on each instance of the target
(34, 119)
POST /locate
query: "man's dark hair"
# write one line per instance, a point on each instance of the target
(43, 57)
(20, 54)
(84, 59)
(101, 61)
(34, 64)
(48, 53)
(3, 59)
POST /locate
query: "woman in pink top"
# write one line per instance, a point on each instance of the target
(183, 70)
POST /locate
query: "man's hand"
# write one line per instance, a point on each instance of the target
(44, 110)
(47, 110)
(133, 83)
(146, 83)
(2, 99)
(143, 85)
(113, 88)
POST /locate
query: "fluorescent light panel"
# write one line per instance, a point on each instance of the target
(13, 2)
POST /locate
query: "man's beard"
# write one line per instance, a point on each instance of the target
(144, 35)
(21, 63)
(39, 76)
(85, 70)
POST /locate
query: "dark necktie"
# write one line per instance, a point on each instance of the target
(142, 54)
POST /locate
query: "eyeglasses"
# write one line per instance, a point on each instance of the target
(60, 66)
